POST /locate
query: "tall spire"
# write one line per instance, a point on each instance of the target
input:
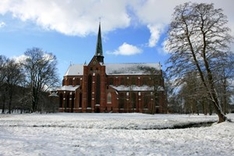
(99, 52)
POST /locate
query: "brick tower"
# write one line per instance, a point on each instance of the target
(94, 81)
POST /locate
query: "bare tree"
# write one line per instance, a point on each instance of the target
(41, 71)
(156, 81)
(3, 61)
(14, 76)
(225, 82)
(199, 40)
(193, 94)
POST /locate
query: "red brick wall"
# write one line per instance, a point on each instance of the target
(105, 81)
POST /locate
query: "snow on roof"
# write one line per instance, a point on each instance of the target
(132, 88)
(68, 88)
(75, 69)
(131, 68)
(118, 69)
(136, 88)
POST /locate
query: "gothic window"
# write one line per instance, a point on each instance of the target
(78, 81)
(67, 101)
(70, 81)
(146, 101)
(72, 102)
(116, 81)
(111, 81)
(122, 82)
(98, 89)
(121, 100)
(127, 81)
(80, 100)
(133, 100)
(89, 90)
(109, 98)
(145, 81)
(133, 80)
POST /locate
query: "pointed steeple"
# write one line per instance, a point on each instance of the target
(99, 52)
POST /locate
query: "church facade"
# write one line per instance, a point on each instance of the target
(118, 88)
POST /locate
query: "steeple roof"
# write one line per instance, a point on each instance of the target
(99, 51)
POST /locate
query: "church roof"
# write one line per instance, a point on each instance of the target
(68, 88)
(131, 68)
(133, 88)
(136, 88)
(74, 70)
(118, 69)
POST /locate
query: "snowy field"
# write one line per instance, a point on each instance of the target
(113, 134)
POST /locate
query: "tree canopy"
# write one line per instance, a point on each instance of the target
(199, 41)
(23, 84)
(41, 71)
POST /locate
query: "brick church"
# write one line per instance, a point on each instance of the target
(126, 87)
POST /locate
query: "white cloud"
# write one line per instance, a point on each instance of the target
(126, 49)
(155, 31)
(151, 11)
(2, 24)
(81, 17)
(70, 17)
(157, 15)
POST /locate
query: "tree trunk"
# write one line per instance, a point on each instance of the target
(218, 110)
(214, 96)
(3, 104)
(9, 107)
(10, 102)
(3, 107)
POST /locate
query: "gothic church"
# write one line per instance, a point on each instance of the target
(119, 88)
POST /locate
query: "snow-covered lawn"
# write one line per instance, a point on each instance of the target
(113, 134)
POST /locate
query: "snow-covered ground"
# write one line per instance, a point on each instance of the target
(113, 134)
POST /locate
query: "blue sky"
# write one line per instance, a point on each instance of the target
(132, 30)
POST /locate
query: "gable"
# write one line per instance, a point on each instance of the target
(95, 62)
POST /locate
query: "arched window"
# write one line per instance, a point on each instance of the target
(80, 100)
(146, 101)
(134, 81)
(109, 98)
(122, 82)
(121, 100)
(70, 81)
(145, 80)
(89, 87)
(133, 99)
(61, 100)
(98, 89)
(111, 81)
